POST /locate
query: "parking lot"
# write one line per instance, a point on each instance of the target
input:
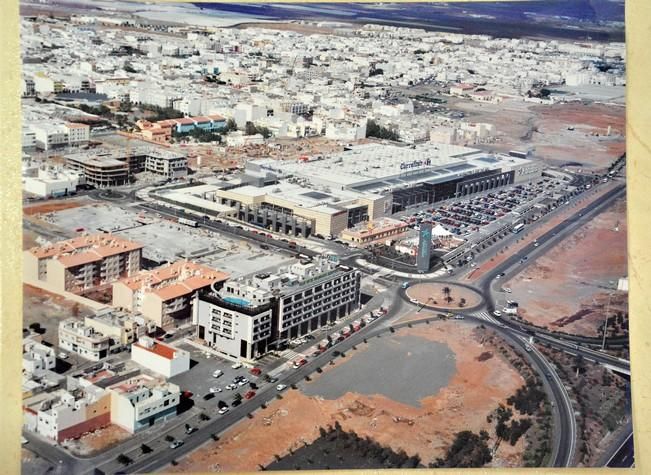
(465, 217)
(200, 379)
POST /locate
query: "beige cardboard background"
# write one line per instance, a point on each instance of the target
(638, 37)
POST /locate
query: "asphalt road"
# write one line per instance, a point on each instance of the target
(514, 264)
(624, 456)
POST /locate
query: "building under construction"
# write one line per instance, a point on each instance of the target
(104, 168)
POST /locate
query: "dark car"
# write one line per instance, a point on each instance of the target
(208, 396)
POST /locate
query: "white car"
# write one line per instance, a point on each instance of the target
(280, 387)
(536, 244)
(232, 386)
(215, 390)
(217, 373)
(176, 444)
(222, 411)
(497, 313)
(507, 290)
(62, 355)
(237, 365)
(414, 301)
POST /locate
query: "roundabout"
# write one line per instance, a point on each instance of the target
(444, 296)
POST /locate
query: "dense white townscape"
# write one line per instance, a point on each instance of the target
(214, 216)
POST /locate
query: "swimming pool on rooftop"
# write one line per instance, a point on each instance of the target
(237, 301)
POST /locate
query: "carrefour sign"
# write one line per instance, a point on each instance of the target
(415, 164)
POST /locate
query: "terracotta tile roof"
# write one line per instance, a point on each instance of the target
(160, 349)
(83, 249)
(175, 280)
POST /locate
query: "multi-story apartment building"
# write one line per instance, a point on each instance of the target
(82, 263)
(122, 327)
(164, 295)
(100, 172)
(141, 401)
(247, 318)
(104, 168)
(76, 337)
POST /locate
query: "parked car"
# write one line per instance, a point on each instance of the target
(497, 313)
(190, 430)
(280, 387)
(255, 371)
(63, 355)
(176, 444)
(249, 394)
(237, 365)
(222, 411)
(215, 389)
(217, 373)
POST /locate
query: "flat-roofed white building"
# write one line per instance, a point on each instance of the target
(52, 182)
(37, 356)
(68, 413)
(141, 401)
(76, 337)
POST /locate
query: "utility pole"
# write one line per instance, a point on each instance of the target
(603, 342)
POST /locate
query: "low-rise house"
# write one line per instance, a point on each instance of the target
(76, 337)
(68, 413)
(159, 357)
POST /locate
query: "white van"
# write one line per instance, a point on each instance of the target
(217, 373)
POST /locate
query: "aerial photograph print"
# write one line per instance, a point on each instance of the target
(312, 236)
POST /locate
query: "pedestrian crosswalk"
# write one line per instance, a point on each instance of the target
(289, 355)
(486, 316)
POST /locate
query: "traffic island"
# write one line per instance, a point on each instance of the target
(445, 296)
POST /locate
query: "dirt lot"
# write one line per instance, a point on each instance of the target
(432, 294)
(98, 440)
(475, 389)
(566, 289)
(546, 129)
(48, 310)
(54, 205)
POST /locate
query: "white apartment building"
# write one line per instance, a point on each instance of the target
(247, 318)
(142, 401)
(49, 135)
(122, 327)
(76, 337)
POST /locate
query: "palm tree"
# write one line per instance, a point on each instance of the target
(446, 291)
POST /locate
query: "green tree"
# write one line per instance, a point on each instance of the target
(373, 129)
